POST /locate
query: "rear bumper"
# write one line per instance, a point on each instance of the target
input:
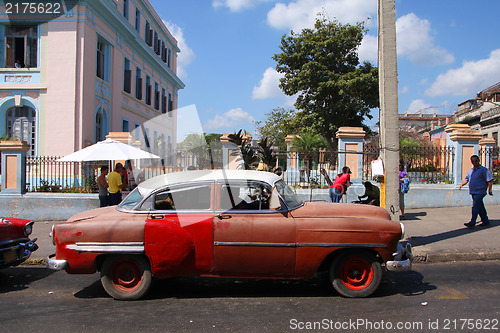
(403, 259)
(55, 264)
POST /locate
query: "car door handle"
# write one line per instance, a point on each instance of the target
(224, 217)
(157, 217)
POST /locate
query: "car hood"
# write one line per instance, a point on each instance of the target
(11, 228)
(328, 209)
(103, 213)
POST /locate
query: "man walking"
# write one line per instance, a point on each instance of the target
(480, 179)
(115, 185)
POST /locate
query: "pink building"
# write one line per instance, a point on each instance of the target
(84, 69)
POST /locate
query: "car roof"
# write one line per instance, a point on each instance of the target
(169, 179)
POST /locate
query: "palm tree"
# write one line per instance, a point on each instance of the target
(309, 144)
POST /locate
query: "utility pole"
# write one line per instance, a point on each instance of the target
(388, 86)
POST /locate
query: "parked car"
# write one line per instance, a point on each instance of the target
(228, 223)
(15, 245)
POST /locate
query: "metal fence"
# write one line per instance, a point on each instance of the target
(491, 157)
(301, 169)
(430, 165)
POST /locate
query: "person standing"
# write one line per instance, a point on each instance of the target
(403, 178)
(102, 184)
(134, 175)
(340, 185)
(115, 185)
(480, 179)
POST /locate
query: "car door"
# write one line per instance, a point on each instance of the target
(179, 230)
(251, 237)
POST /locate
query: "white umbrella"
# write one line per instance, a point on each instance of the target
(106, 150)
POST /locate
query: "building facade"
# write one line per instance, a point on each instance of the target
(69, 77)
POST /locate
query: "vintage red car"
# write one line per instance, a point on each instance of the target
(15, 245)
(227, 223)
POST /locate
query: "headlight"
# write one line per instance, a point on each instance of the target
(51, 234)
(402, 230)
(28, 228)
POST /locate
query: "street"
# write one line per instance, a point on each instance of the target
(461, 296)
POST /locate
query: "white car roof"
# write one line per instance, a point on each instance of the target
(169, 179)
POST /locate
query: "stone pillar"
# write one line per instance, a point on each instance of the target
(486, 147)
(351, 140)
(13, 155)
(292, 171)
(231, 154)
(466, 143)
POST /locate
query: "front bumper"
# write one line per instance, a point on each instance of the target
(403, 259)
(13, 255)
(56, 264)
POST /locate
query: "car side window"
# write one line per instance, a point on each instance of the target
(185, 198)
(245, 196)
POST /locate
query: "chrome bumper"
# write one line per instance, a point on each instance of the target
(403, 259)
(55, 264)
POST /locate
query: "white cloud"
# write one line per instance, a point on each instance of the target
(472, 77)
(404, 90)
(237, 5)
(415, 42)
(368, 50)
(186, 56)
(416, 105)
(231, 118)
(269, 85)
(300, 14)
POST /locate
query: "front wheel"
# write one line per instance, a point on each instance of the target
(126, 277)
(356, 274)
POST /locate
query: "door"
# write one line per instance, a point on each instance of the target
(179, 230)
(250, 237)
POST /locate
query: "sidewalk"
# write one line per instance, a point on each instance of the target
(436, 234)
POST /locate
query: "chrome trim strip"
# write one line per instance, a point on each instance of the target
(107, 247)
(256, 244)
(340, 245)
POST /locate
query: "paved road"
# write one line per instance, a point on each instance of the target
(33, 299)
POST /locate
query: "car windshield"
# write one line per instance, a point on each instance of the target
(290, 198)
(131, 200)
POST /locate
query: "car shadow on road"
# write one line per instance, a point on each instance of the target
(414, 216)
(20, 277)
(405, 283)
(423, 240)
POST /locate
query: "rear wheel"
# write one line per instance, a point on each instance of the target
(356, 274)
(126, 277)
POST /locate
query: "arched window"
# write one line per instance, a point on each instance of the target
(21, 123)
(98, 126)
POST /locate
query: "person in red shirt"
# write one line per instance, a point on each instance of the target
(342, 182)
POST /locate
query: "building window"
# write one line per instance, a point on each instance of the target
(163, 101)
(21, 123)
(125, 125)
(138, 20)
(170, 105)
(163, 52)
(148, 34)
(157, 97)
(103, 67)
(125, 9)
(169, 58)
(138, 83)
(98, 126)
(21, 46)
(148, 90)
(127, 77)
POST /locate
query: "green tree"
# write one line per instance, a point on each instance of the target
(321, 65)
(279, 123)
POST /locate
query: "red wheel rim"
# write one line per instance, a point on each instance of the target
(126, 275)
(356, 273)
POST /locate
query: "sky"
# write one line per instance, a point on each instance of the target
(447, 52)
